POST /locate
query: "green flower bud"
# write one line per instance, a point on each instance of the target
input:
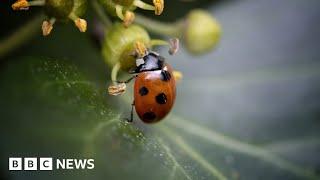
(110, 5)
(119, 45)
(123, 9)
(202, 32)
(59, 9)
(62, 9)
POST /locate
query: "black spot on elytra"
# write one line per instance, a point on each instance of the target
(149, 116)
(143, 91)
(161, 98)
(165, 75)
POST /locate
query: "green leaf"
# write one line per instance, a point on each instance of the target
(51, 109)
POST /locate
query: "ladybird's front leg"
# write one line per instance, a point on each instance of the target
(128, 80)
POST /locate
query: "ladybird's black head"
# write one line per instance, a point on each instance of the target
(152, 61)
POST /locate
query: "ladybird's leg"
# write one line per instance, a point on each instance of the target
(128, 80)
(131, 114)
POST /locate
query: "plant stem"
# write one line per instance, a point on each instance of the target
(159, 42)
(37, 3)
(21, 35)
(115, 71)
(162, 28)
(101, 14)
(143, 5)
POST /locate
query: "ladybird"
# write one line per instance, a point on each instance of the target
(154, 88)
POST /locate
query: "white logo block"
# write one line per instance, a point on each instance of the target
(30, 164)
(15, 164)
(45, 164)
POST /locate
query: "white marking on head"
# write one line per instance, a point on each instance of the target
(139, 61)
(157, 54)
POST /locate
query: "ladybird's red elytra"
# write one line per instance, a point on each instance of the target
(154, 95)
(154, 88)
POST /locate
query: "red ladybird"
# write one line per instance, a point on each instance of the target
(154, 88)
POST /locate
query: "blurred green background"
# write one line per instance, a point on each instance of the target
(248, 110)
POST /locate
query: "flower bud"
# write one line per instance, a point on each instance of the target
(60, 10)
(202, 32)
(120, 45)
(121, 8)
(110, 5)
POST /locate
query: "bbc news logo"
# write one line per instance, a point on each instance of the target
(48, 164)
